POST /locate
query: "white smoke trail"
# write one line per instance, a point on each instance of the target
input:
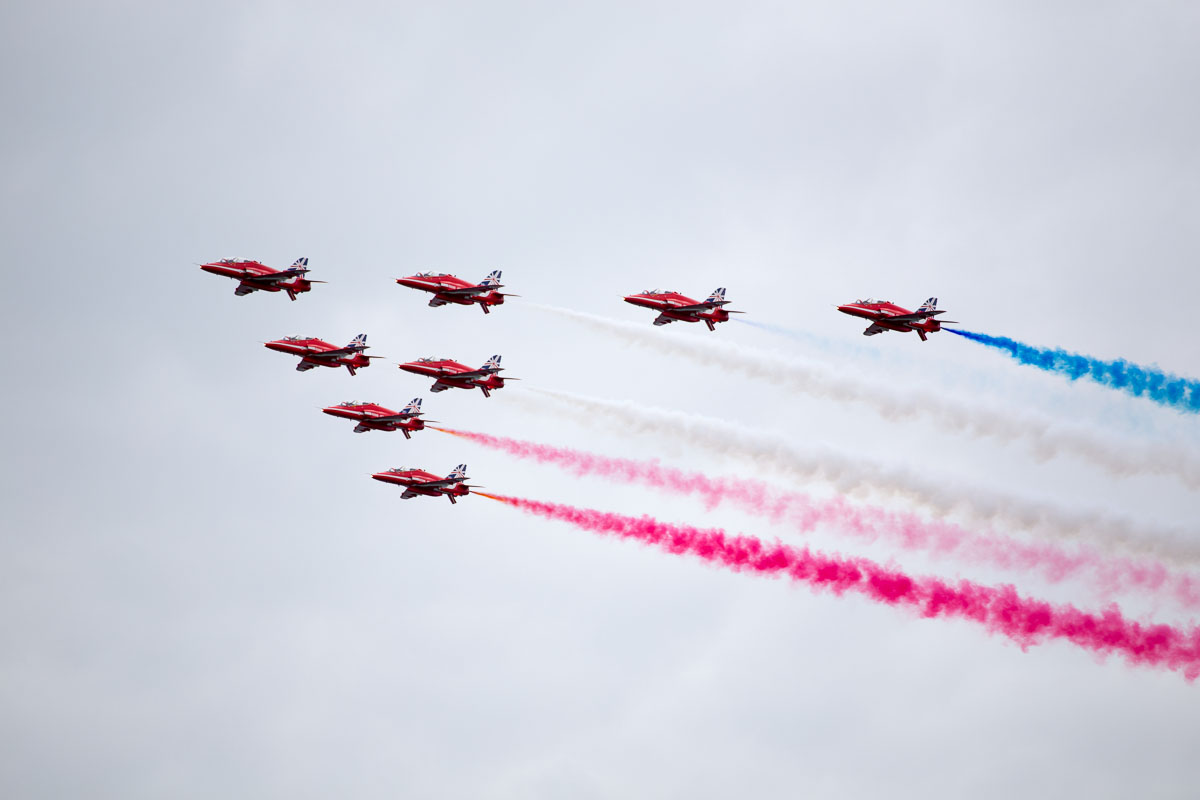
(855, 476)
(1043, 436)
(1009, 386)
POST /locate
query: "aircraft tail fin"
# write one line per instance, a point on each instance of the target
(358, 342)
(459, 473)
(413, 408)
(301, 265)
(928, 305)
(493, 279)
(492, 365)
(718, 296)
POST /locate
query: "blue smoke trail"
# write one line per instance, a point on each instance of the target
(1163, 388)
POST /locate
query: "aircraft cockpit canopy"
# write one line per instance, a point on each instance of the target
(433, 275)
(660, 291)
(349, 403)
(298, 338)
(431, 359)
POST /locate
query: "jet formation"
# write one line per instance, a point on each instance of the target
(254, 276)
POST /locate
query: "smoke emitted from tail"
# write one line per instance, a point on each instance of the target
(867, 522)
(856, 476)
(1043, 436)
(1181, 394)
(999, 609)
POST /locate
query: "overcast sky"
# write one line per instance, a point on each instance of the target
(203, 594)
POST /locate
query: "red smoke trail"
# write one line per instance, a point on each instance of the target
(869, 522)
(998, 608)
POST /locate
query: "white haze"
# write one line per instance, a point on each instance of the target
(856, 476)
(1045, 438)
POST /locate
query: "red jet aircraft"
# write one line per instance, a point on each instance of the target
(319, 353)
(372, 417)
(887, 316)
(675, 306)
(453, 375)
(257, 277)
(452, 289)
(419, 482)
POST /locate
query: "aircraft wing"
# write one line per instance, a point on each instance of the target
(874, 329)
(919, 316)
(341, 351)
(274, 277)
(242, 290)
(663, 319)
(440, 483)
(703, 306)
(305, 365)
(409, 494)
(468, 290)
(475, 373)
(390, 418)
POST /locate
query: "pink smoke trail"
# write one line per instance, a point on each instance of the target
(1000, 609)
(1110, 574)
